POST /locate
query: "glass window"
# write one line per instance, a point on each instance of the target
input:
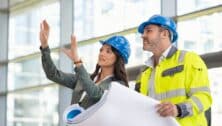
(94, 18)
(24, 29)
(33, 108)
(27, 73)
(138, 55)
(202, 34)
(89, 55)
(194, 5)
(216, 90)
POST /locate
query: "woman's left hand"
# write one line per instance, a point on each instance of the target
(72, 53)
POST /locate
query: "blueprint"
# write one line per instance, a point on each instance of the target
(119, 106)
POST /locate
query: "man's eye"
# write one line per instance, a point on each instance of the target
(149, 30)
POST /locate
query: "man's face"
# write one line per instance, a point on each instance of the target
(151, 37)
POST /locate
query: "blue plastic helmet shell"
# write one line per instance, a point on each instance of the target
(121, 44)
(162, 21)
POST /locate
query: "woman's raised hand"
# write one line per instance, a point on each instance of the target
(44, 33)
(72, 53)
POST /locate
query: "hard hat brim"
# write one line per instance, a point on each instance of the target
(142, 26)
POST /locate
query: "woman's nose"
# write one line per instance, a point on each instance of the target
(101, 53)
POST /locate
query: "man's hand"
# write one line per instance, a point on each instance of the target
(167, 109)
(44, 33)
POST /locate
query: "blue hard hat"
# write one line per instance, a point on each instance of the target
(121, 44)
(162, 21)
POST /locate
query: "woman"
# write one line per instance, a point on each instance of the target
(113, 56)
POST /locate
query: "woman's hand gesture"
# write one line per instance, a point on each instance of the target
(44, 33)
(72, 53)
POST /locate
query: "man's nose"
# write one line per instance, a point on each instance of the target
(143, 36)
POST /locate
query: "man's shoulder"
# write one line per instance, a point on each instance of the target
(188, 54)
(191, 54)
(193, 59)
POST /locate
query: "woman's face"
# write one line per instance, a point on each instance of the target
(107, 57)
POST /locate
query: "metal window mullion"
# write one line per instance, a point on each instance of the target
(65, 64)
(169, 8)
(4, 26)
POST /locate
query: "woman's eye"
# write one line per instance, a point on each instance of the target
(109, 51)
(100, 50)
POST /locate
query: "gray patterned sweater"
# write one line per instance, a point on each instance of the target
(79, 82)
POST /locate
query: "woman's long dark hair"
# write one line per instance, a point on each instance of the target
(119, 69)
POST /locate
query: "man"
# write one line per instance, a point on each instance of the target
(179, 79)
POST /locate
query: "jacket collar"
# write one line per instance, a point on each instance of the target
(167, 54)
(172, 51)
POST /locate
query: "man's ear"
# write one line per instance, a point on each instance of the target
(165, 34)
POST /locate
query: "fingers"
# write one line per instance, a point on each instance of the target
(65, 51)
(43, 35)
(45, 24)
(72, 55)
(166, 109)
(41, 26)
(73, 38)
(73, 41)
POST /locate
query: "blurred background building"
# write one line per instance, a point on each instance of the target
(28, 98)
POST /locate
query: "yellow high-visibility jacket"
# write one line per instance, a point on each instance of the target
(181, 78)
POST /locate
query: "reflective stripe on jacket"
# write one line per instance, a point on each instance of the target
(181, 78)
